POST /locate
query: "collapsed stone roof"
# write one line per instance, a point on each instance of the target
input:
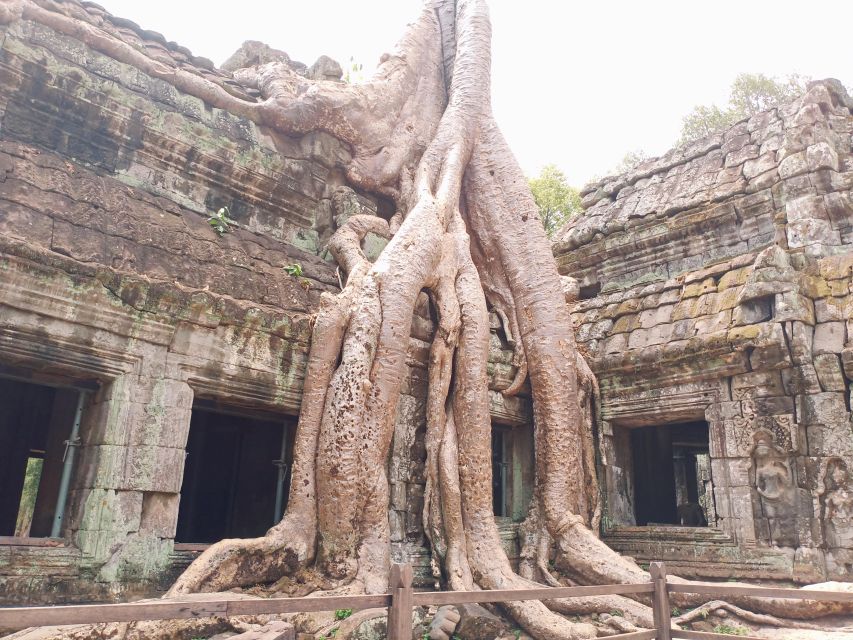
(156, 46)
(635, 213)
(683, 164)
(709, 250)
(152, 43)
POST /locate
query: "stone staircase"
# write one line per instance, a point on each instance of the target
(669, 533)
(701, 552)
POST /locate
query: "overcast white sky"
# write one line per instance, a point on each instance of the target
(578, 84)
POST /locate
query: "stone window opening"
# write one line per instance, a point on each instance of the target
(589, 291)
(756, 310)
(512, 471)
(671, 474)
(237, 473)
(39, 435)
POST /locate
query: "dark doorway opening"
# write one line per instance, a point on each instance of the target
(237, 475)
(671, 473)
(501, 469)
(35, 426)
(512, 470)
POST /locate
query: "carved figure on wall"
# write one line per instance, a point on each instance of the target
(773, 479)
(837, 505)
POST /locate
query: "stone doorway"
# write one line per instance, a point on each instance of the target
(236, 477)
(512, 470)
(671, 474)
(36, 423)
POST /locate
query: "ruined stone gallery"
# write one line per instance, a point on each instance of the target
(265, 329)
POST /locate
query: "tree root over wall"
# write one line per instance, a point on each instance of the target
(467, 233)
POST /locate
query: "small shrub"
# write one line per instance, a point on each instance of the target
(342, 614)
(221, 221)
(294, 270)
(731, 630)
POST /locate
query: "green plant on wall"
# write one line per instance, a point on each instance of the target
(295, 270)
(221, 221)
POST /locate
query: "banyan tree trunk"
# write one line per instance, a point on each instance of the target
(467, 232)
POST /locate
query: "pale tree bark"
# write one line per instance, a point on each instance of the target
(467, 232)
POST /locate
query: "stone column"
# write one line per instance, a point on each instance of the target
(729, 453)
(125, 502)
(615, 452)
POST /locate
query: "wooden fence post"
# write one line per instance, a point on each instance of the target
(400, 612)
(660, 602)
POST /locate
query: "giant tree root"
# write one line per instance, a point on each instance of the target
(761, 619)
(151, 629)
(466, 231)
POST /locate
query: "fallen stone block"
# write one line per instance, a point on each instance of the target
(477, 623)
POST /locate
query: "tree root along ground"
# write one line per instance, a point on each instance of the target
(465, 233)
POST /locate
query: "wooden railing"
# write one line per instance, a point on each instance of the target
(721, 590)
(400, 601)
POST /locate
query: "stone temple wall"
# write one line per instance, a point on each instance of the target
(716, 286)
(114, 283)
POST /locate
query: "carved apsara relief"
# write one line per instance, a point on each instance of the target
(773, 479)
(835, 493)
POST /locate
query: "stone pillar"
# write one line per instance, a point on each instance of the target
(615, 452)
(406, 472)
(125, 502)
(523, 470)
(729, 454)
